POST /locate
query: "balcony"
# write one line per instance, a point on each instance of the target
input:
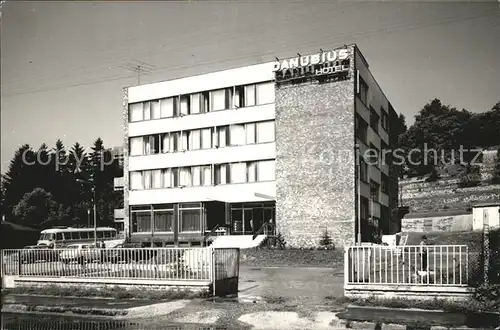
(119, 214)
(119, 183)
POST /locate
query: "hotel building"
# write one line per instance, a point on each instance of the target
(275, 142)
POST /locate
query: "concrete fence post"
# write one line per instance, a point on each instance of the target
(19, 263)
(486, 252)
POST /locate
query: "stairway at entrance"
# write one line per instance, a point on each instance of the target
(238, 241)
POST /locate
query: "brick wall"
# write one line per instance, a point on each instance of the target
(315, 188)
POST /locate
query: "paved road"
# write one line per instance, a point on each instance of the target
(293, 283)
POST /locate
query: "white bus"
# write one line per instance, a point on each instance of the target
(62, 236)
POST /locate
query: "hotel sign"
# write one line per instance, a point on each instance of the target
(317, 65)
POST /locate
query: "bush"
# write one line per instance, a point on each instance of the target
(326, 241)
(277, 241)
(471, 178)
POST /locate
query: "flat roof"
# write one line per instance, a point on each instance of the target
(485, 204)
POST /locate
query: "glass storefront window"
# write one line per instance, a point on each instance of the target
(190, 220)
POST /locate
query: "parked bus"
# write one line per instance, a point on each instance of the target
(62, 236)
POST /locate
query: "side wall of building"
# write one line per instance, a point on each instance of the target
(377, 105)
(126, 176)
(315, 184)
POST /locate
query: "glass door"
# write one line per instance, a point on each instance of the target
(248, 222)
(237, 221)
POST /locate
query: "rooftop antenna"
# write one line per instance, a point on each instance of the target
(139, 67)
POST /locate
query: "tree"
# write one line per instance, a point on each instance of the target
(326, 241)
(19, 178)
(439, 127)
(496, 173)
(45, 168)
(103, 168)
(36, 209)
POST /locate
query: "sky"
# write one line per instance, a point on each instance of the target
(64, 64)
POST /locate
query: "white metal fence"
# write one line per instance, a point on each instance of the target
(204, 264)
(439, 265)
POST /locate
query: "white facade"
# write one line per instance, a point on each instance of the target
(181, 152)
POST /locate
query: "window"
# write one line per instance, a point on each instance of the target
(222, 136)
(365, 208)
(186, 178)
(220, 99)
(237, 135)
(374, 190)
(384, 119)
(184, 102)
(84, 235)
(91, 234)
(141, 221)
(238, 172)
(265, 93)
(185, 140)
(151, 144)
(251, 171)
(135, 112)
(59, 237)
(386, 155)
(167, 178)
(190, 220)
(146, 106)
(196, 175)
(136, 180)
(206, 138)
(100, 234)
(363, 91)
(373, 155)
(265, 132)
(195, 103)
(136, 146)
(374, 119)
(165, 142)
(175, 177)
(361, 129)
(206, 175)
(250, 133)
(363, 170)
(146, 177)
(195, 139)
(156, 179)
(222, 174)
(168, 107)
(155, 109)
(266, 170)
(385, 184)
(175, 141)
(163, 220)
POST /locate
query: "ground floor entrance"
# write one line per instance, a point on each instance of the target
(248, 218)
(190, 223)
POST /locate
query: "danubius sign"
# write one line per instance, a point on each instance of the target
(320, 64)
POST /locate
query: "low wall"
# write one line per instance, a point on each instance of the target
(423, 292)
(461, 222)
(224, 287)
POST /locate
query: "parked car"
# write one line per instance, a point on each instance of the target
(128, 253)
(34, 253)
(81, 253)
